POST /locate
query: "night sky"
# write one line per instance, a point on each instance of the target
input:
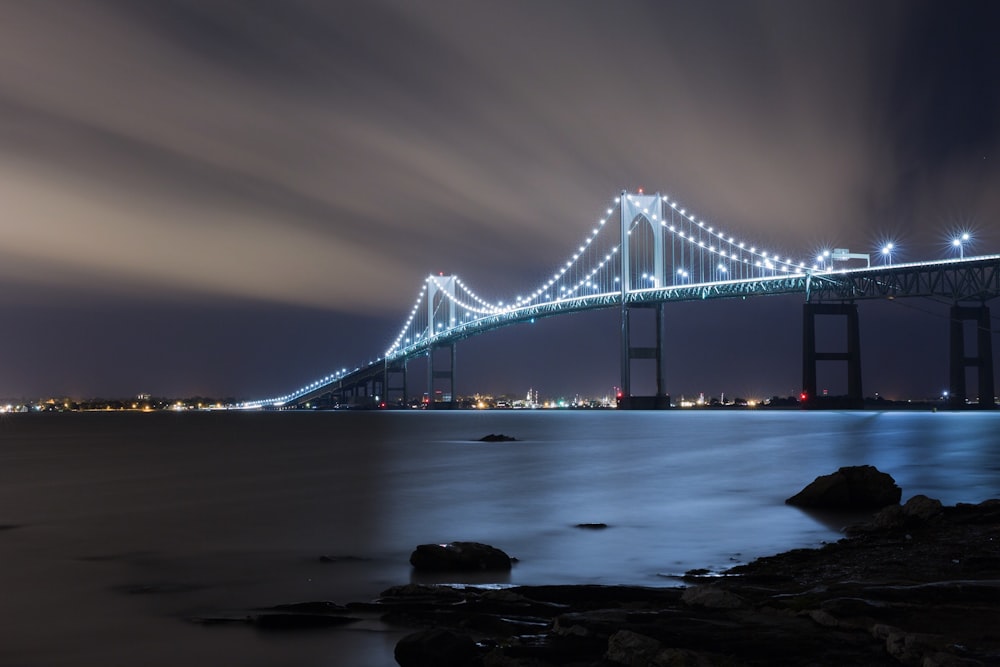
(232, 198)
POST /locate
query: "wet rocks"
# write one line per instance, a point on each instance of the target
(917, 510)
(459, 556)
(630, 648)
(925, 591)
(850, 488)
(711, 597)
(436, 647)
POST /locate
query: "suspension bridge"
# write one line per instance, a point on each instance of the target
(659, 252)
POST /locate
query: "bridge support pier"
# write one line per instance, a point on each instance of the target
(448, 399)
(627, 401)
(395, 371)
(982, 362)
(809, 398)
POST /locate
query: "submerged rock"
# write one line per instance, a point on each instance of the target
(497, 437)
(459, 556)
(850, 488)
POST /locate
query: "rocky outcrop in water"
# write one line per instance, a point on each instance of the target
(850, 488)
(497, 437)
(459, 557)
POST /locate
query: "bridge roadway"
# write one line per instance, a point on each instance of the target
(968, 283)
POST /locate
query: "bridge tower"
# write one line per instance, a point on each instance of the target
(641, 209)
(440, 316)
(982, 361)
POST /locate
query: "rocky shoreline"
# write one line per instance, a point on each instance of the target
(914, 587)
(919, 585)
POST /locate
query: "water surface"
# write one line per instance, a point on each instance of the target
(118, 527)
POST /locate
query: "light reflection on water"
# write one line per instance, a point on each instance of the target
(238, 508)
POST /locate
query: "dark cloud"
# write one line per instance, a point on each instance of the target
(320, 157)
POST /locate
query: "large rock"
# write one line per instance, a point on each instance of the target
(461, 556)
(850, 488)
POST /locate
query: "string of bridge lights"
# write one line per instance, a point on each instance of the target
(301, 391)
(738, 252)
(409, 320)
(764, 261)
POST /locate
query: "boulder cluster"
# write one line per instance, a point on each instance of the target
(917, 585)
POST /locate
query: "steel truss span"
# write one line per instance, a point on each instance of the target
(657, 253)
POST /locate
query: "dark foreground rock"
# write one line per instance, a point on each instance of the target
(923, 590)
(436, 647)
(459, 557)
(850, 488)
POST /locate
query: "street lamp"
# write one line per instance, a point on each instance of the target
(959, 242)
(887, 253)
(822, 258)
(682, 274)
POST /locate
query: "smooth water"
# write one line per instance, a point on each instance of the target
(117, 528)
